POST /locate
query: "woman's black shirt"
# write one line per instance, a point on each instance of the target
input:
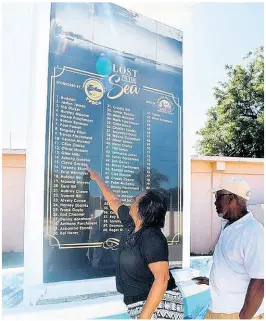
(134, 279)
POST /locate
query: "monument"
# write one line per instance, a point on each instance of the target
(114, 102)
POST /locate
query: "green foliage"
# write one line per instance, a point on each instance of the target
(235, 126)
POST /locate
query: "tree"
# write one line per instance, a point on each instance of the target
(235, 126)
(156, 178)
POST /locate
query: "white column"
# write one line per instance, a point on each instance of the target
(186, 187)
(35, 156)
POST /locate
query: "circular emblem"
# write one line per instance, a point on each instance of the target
(165, 105)
(94, 90)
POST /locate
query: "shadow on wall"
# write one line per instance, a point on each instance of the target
(210, 253)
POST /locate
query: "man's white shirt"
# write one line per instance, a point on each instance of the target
(238, 257)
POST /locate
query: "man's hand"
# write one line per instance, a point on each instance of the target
(201, 280)
(93, 175)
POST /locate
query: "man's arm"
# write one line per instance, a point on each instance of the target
(157, 291)
(112, 199)
(253, 300)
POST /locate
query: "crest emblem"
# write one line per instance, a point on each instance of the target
(165, 105)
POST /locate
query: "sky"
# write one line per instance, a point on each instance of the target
(215, 34)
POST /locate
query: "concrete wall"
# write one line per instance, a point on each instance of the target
(205, 174)
(13, 191)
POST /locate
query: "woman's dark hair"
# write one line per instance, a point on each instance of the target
(152, 207)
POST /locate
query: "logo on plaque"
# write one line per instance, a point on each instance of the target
(94, 91)
(165, 105)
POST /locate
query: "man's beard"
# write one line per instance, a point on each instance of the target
(220, 214)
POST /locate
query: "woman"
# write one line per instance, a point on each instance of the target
(142, 274)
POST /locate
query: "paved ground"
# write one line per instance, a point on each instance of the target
(101, 308)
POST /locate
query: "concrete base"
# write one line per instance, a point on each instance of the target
(57, 304)
(51, 293)
(81, 310)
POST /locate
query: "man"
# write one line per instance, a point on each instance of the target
(237, 275)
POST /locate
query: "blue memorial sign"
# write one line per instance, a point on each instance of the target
(114, 104)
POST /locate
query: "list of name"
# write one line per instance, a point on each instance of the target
(122, 161)
(70, 147)
(124, 140)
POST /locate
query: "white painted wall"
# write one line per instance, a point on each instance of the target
(13, 205)
(17, 33)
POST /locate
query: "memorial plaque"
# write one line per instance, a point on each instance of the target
(114, 104)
